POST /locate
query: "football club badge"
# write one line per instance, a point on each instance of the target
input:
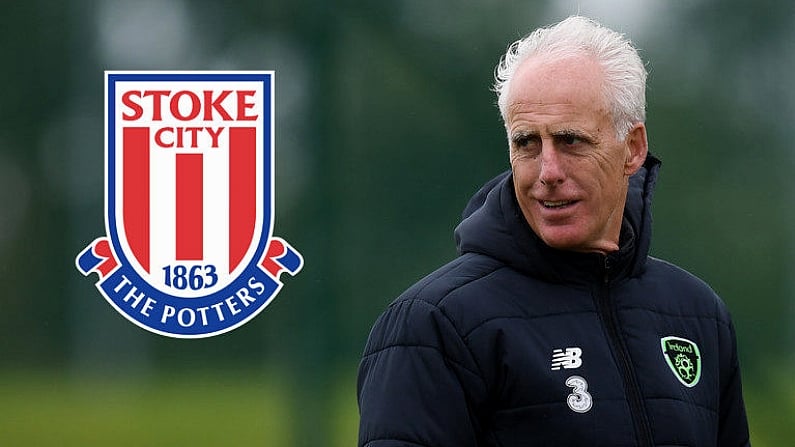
(684, 359)
(189, 201)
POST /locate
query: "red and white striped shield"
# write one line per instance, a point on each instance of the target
(190, 177)
(189, 250)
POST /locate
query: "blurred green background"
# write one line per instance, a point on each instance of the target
(385, 126)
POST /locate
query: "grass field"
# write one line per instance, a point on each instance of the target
(771, 411)
(218, 409)
(233, 409)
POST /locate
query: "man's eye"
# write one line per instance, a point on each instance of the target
(571, 140)
(521, 141)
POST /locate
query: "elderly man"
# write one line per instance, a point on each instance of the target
(554, 326)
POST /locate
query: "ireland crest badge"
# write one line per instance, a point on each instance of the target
(684, 359)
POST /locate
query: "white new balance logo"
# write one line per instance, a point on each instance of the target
(569, 359)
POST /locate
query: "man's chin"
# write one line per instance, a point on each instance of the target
(561, 240)
(578, 244)
(566, 238)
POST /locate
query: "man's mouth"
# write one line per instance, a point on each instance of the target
(556, 204)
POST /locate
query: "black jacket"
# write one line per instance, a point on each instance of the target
(517, 344)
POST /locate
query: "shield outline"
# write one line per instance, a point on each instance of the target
(669, 362)
(265, 210)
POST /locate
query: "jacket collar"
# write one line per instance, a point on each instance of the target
(494, 225)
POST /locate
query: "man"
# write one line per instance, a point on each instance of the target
(554, 326)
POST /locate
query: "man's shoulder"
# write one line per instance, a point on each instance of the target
(458, 292)
(667, 270)
(683, 290)
(437, 287)
(465, 293)
(425, 314)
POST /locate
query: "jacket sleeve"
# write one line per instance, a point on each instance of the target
(732, 423)
(417, 384)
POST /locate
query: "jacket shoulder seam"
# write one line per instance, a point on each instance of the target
(522, 317)
(417, 345)
(418, 294)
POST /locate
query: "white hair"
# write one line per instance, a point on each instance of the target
(624, 72)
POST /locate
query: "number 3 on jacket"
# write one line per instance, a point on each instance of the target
(579, 400)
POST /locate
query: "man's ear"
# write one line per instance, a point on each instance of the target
(637, 147)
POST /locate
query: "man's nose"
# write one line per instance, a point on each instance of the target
(551, 171)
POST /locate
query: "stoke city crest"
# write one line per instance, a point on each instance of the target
(189, 201)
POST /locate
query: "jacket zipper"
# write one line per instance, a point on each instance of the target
(607, 312)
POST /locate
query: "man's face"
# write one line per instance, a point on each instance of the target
(570, 169)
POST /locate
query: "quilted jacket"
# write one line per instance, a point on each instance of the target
(514, 343)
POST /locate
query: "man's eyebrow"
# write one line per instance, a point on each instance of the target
(568, 133)
(517, 134)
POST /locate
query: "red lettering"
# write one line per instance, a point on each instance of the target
(242, 105)
(186, 105)
(159, 137)
(194, 139)
(156, 104)
(211, 104)
(195, 105)
(184, 137)
(138, 111)
(214, 135)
